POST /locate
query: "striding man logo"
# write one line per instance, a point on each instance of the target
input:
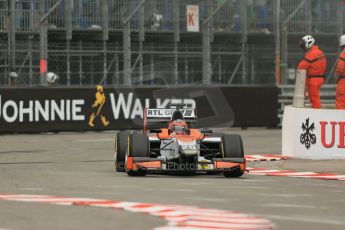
(97, 107)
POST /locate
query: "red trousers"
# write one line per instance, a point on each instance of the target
(314, 85)
(340, 94)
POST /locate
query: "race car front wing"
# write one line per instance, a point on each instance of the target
(216, 165)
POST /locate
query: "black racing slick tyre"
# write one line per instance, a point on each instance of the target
(232, 147)
(121, 141)
(138, 146)
(214, 135)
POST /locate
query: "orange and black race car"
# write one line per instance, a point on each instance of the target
(170, 142)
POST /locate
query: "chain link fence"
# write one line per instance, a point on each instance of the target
(3, 60)
(3, 43)
(78, 62)
(322, 16)
(88, 58)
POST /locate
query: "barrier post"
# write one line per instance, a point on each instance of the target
(298, 97)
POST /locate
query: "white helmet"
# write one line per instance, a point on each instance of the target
(13, 74)
(342, 40)
(307, 42)
(52, 77)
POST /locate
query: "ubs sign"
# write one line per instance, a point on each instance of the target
(331, 134)
(314, 134)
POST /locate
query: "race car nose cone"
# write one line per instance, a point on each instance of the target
(189, 152)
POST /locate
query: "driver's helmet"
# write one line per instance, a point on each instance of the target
(178, 126)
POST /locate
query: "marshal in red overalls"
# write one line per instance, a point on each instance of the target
(340, 74)
(315, 63)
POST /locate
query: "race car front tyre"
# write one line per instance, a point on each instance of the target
(232, 147)
(121, 141)
(138, 146)
(136, 173)
(235, 173)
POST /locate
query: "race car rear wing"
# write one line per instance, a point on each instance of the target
(159, 118)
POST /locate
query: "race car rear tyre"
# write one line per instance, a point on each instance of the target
(121, 141)
(232, 146)
(139, 146)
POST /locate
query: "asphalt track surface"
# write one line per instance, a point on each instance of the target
(81, 165)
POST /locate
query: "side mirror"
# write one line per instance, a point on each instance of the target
(155, 131)
(206, 131)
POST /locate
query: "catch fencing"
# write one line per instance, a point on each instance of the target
(235, 43)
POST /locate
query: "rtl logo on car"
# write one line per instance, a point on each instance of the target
(331, 133)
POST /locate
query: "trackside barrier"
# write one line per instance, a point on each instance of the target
(313, 133)
(107, 108)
